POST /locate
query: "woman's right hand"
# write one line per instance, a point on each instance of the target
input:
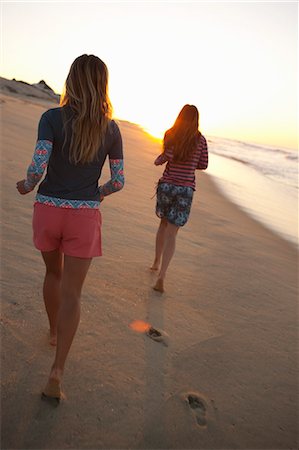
(21, 187)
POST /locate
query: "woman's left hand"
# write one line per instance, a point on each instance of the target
(21, 187)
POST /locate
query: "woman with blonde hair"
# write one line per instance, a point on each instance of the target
(73, 142)
(185, 150)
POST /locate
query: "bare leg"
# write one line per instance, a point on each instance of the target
(74, 273)
(160, 240)
(168, 252)
(51, 289)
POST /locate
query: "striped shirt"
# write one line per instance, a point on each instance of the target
(182, 173)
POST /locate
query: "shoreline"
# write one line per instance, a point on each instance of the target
(271, 203)
(291, 240)
(229, 318)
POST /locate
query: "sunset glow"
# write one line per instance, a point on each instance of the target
(237, 62)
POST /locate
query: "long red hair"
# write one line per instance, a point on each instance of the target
(183, 136)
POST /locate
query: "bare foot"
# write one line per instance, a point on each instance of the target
(52, 390)
(159, 286)
(155, 265)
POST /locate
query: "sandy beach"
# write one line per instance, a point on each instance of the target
(223, 376)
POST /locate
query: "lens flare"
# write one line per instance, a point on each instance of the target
(140, 326)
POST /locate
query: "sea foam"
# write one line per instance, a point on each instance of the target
(262, 180)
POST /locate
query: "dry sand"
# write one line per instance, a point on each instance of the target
(228, 317)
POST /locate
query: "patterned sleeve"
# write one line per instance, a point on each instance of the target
(41, 154)
(204, 156)
(38, 164)
(116, 162)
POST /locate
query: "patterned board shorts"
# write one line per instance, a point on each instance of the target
(174, 203)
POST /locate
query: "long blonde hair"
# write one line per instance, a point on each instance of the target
(86, 92)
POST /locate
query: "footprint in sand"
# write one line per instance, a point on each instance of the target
(157, 336)
(199, 409)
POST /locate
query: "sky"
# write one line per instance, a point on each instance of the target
(236, 61)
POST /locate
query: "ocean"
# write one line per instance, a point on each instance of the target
(261, 180)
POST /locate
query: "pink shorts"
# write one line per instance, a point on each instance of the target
(76, 232)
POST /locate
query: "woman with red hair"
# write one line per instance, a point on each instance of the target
(184, 150)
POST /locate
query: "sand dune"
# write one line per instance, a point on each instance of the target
(37, 91)
(223, 377)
